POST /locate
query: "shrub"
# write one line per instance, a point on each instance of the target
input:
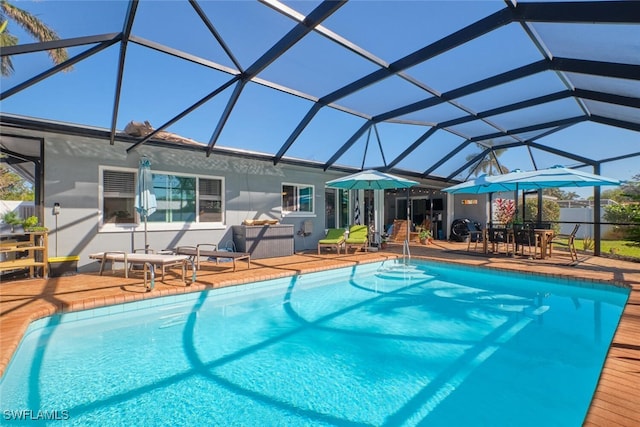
(30, 222)
(628, 213)
(550, 212)
(11, 218)
(505, 210)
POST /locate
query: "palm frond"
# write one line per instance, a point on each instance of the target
(36, 28)
(6, 66)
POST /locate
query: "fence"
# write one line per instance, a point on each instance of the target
(570, 216)
(23, 209)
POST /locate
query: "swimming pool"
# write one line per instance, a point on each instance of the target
(378, 344)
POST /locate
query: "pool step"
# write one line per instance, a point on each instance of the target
(401, 271)
(171, 320)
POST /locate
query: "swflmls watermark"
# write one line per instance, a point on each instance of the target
(31, 415)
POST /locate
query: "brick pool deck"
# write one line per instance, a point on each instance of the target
(615, 403)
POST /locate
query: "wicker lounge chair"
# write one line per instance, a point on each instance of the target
(358, 238)
(334, 239)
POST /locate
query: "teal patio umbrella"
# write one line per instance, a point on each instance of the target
(145, 198)
(553, 177)
(370, 180)
(480, 185)
(373, 180)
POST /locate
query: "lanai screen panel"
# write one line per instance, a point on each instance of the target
(430, 77)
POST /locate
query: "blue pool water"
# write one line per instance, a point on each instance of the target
(375, 345)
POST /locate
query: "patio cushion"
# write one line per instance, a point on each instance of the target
(334, 239)
(334, 236)
(358, 234)
(358, 237)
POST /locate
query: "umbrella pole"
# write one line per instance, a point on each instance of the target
(405, 247)
(524, 206)
(516, 202)
(146, 244)
(408, 215)
(490, 209)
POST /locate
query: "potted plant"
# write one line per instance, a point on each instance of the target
(29, 222)
(383, 242)
(12, 219)
(424, 236)
(32, 224)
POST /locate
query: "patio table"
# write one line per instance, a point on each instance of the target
(543, 237)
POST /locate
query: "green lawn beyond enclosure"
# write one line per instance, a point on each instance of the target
(622, 248)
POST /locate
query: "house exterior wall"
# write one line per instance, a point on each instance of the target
(478, 212)
(252, 191)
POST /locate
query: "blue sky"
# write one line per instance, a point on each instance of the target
(156, 87)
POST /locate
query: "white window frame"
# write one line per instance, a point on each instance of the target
(297, 213)
(104, 227)
(350, 203)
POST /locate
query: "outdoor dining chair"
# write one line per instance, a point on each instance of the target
(500, 236)
(524, 236)
(570, 244)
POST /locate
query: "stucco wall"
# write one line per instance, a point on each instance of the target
(252, 191)
(476, 212)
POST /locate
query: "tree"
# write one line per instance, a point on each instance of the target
(626, 193)
(13, 187)
(628, 211)
(625, 214)
(488, 165)
(32, 25)
(560, 194)
(616, 194)
(550, 211)
(631, 188)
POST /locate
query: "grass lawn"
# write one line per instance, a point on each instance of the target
(624, 248)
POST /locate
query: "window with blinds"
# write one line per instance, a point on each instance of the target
(176, 196)
(210, 200)
(119, 193)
